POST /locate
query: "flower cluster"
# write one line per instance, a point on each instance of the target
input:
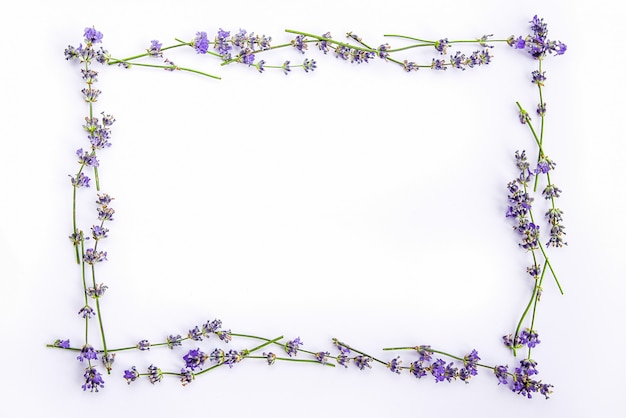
(537, 43)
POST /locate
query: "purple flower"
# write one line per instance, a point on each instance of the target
(524, 384)
(501, 373)
(99, 232)
(104, 199)
(424, 352)
(538, 77)
(270, 357)
(224, 335)
(410, 66)
(541, 109)
(470, 369)
(291, 347)
(86, 311)
(97, 291)
(195, 359)
(417, 369)
(260, 66)
(442, 46)
(87, 353)
(309, 65)
(92, 36)
(93, 379)
(233, 357)
(545, 165)
(92, 256)
(438, 65)
(246, 57)
(80, 181)
(173, 341)
(62, 343)
(218, 356)
(438, 370)
(222, 45)
(382, 51)
(90, 76)
(323, 44)
(155, 49)
(286, 68)
(107, 360)
(131, 374)
(195, 334)
(551, 191)
(458, 60)
(530, 338)
(299, 43)
(534, 270)
(105, 213)
(211, 327)
(154, 374)
(322, 356)
(395, 365)
(90, 95)
(362, 362)
(200, 43)
(343, 360)
(143, 345)
(186, 376)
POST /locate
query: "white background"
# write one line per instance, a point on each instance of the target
(356, 202)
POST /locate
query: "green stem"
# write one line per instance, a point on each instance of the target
(114, 61)
(174, 67)
(438, 352)
(99, 313)
(359, 352)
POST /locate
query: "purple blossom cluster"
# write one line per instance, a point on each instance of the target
(527, 337)
(524, 384)
(537, 43)
(442, 370)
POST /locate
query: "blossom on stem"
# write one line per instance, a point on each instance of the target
(143, 345)
(173, 341)
(92, 36)
(80, 181)
(195, 359)
(270, 357)
(291, 347)
(62, 343)
(87, 353)
(93, 379)
(92, 256)
(131, 374)
(395, 365)
(200, 43)
(154, 374)
(86, 312)
(322, 356)
(186, 376)
(155, 49)
(362, 362)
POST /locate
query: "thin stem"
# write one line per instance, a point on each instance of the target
(174, 67)
(114, 61)
(99, 313)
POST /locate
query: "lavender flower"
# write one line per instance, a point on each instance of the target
(201, 43)
(62, 343)
(299, 43)
(86, 312)
(186, 376)
(270, 357)
(195, 359)
(291, 347)
(512, 342)
(107, 361)
(93, 379)
(536, 43)
(143, 345)
(80, 181)
(530, 338)
(438, 65)
(131, 374)
(418, 369)
(233, 357)
(309, 65)
(195, 334)
(92, 36)
(395, 365)
(362, 362)
(224, 335)
(155, 49)
(218, 356)
(104, 199)
(97, 291)
(92, 256)
(99, 232)
(322, 356)
(501, 373)
(524, 384)
(424, 352)
(286, 67)
(87, 353)
(442, 46)
(222, 45)
(173, 341)
(154, 374)
(470, 368)
(343, 360)
(323, 44)
(105, 213)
